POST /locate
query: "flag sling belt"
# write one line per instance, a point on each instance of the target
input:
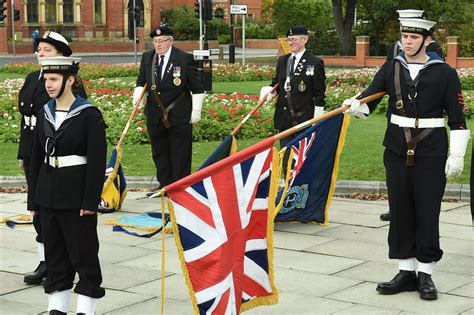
(411, 141)
(154, 92)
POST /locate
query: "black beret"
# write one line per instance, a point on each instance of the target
(297, 30)
(161, 31)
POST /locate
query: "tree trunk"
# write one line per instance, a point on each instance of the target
(344, 23)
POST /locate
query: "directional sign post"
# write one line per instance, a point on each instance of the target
(240, 9)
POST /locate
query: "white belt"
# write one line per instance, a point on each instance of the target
(30, 121)
(417, 122)
(65, 161)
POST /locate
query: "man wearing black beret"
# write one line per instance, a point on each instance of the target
(173, 105)
(302, 84)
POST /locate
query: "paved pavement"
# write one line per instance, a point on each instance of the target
(318, 269)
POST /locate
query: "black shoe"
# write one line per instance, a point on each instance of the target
(56, 312)
(403, 281)
(43, 281)
(385, 216)
(36, 276)
(426, 287)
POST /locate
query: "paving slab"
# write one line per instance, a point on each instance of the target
(318, 269)
(301, 228)
(354, 249)
(290, 303)
(462, 232)
(153, 262)
(457, 246)
(175, 288)
(311, 262)
(460, 264)
(357, 233)
(466, 290)
(18, 238)
(11, 282)
(311, 284)
(295, 241)
(152, 306)
(119, 277)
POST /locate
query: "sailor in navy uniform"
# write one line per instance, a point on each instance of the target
(65, 183)
(302, 84)
(421, 89)
(174, 100)
(396, 48)
(31, 98)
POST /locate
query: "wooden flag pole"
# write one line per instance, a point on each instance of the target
(132, 115)
(259, 104)
(330, 114)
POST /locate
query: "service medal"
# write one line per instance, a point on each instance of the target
(301, 86)
(176, 72)
(310, 70)
(177, 81)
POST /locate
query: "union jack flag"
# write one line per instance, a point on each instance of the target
(225, 229)
(300, 152)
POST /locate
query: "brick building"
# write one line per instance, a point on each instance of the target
(100, 21)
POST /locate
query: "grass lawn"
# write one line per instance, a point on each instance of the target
(249, 88)
(361, 158)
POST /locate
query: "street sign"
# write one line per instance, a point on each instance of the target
(238, 9)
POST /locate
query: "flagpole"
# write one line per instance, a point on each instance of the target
(259, 104)
(132, 115)
(330, 114)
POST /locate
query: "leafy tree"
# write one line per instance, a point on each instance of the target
(183, 22)
(344, 23)
(313, 14)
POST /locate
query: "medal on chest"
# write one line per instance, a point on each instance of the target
(177, 75)
(309, 70)
(302, 86)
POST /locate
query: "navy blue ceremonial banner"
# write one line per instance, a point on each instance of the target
(313, 172)
(225, 149)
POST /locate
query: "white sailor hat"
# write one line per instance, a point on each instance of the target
(59, 64)
(418, 26)
(410, 13)
(57, 40)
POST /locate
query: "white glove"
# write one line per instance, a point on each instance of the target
(198, 99)
(458, 140)
(356, 108)
(318, 111)
(136, 95)
(265, 91)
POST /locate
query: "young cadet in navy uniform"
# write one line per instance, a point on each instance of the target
(65, 183)
(396, 49)
(171, 110)
(31, 98)
(302, 84)
(421, 88)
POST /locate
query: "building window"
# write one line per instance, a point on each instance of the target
(50, 11)
(32, 11)
(98, 12)
(68, 11)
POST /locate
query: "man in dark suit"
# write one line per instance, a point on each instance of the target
(171, 110)
(302, 84)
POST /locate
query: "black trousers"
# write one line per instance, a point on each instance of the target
(71, 245)
(171, 150)
(414, 194)
(37, 217)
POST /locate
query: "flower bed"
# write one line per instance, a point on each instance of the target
(221, 113)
